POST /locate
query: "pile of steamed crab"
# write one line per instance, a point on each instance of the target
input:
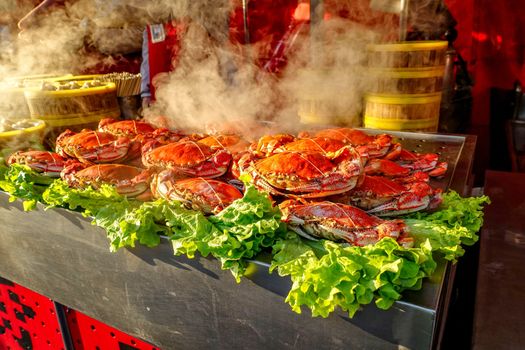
(340, 184)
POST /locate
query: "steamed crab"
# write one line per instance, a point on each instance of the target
(308, 174)
(139, 131)
(341, 223)
(189, 158)
(384, 197)
(90, 146)
(207, 195)
(374, 146)
(47, 163)
(427, 162)
(129, 181)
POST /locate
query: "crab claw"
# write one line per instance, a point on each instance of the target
(405, 240)
(417, 176)
(69, 172)
(418, 196)
(418, 161)
(439, 170)
(394, 151)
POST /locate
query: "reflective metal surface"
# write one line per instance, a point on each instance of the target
(178, 303)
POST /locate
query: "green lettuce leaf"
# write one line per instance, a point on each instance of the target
(125, 221)
(455, 224)
(456, 211)
(190, 231)
(88, 200)
(326, 275)
(349, 277)
(237, 233)
(22, 182)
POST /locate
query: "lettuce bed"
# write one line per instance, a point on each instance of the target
(325, 275)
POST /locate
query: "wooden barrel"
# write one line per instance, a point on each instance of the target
(407, 54)
(13, 103)
(21, 134)
(78, 103)
(406, 80)
(413, 112)
(73, 109)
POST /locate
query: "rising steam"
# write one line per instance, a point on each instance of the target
(216, 84)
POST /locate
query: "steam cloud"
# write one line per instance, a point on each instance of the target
(215, 84)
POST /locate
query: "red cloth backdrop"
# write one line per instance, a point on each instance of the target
(492, 40)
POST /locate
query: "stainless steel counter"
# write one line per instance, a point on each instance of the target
(178, 303)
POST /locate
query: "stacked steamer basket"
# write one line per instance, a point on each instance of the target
(13, 103)
(72, 104)
(20, 134)
(406, 93)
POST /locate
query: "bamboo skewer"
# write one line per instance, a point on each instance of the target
(127, 84)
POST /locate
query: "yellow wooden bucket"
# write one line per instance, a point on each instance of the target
(407, 54)
(415, 112)
(73, 104)
(406, 80)
(22, 134)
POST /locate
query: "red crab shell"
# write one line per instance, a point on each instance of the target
(385, 167)
(341, 223)
(315, 144)
(129, 181)
(140, 132)
(427, 162)
(268, 144)
(307, 175)
(189, 158)
(94, 146)
(47, 163)
(128, 128)
(207, 195)
(396, 172)
(374, 146)
(232, 143)
(384, 197)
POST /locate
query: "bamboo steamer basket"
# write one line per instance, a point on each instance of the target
(21, 134)
(407, 54)
(406, 80)
(77, 78)
(415, 112)
(74, 109)
(90, 103)
(13, 103)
